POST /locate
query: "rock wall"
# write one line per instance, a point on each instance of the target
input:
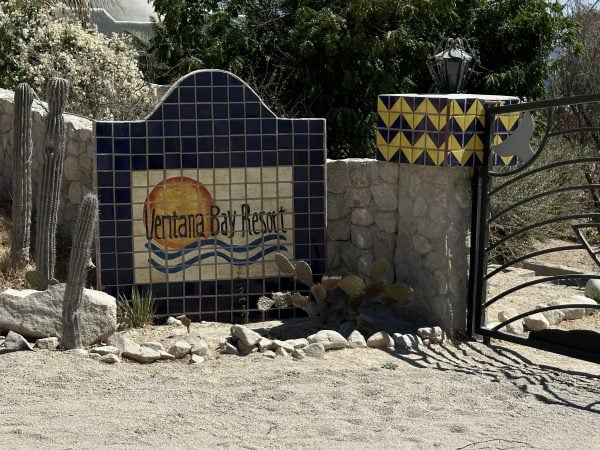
(416, 217)
(77, 176)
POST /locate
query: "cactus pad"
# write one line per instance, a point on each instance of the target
(399, 292)
(282, 299)
(318, 292)
(304, 273)
(284, 264)
(375, 289)
(352, 285)
(265, 303)
(330, 283)
(382, 271)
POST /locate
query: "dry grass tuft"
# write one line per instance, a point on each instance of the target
(8, 277)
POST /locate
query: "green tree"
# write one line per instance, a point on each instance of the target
(331, 58)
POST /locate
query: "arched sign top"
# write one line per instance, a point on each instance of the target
(213, 86)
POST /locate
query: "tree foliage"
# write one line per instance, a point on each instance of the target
(331, 58)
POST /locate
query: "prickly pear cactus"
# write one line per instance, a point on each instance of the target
(304, 273)
(21, 176)
(49, 188)
(78, 264)
(352, 285)
(284, 264)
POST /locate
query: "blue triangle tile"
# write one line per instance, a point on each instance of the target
(452, 161)
(391, 135)
(402, 158)
(422, 125)
(411, 102)
(428, 160)
(417, 103)
(500, 128)
(404, 124)
(380, 122)
(421, 159)
(454, 127)
(397, 124)
(438, 103)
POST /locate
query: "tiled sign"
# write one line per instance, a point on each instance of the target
(439, 130)
(196, 200)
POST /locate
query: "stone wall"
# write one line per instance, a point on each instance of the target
(416, 217)
(77, 176)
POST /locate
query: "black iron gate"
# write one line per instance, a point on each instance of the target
(545, 206)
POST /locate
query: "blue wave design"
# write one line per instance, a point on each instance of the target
(224, 245)
(235, 261)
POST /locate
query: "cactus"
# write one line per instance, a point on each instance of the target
(78, 264)
(49, 187)
(21, 176)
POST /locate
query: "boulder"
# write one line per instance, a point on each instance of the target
(227, 347)
(515, 327)
(165, 356)
(38, 314)
(264, 344)
(180, 349)
(196, 359)
(297, 343)
(536, 322)
(172, 321)
(277, 344)
(282, 352)
(570, 313)
(245, 334)
(246, 349)
(106, 350)
(356, 340)
(14, 342)
(200, 348)
(592, 289)
(381, 339)
(331, 340)
(50, 343)
(269, 353)
(316, 350)
(553, 316)
(434, 334)
(298, 353)
(109, 358)
(407, 341)
(132, 350)
(154, 345)
(586, 301)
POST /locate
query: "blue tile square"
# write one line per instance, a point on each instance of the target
(237, 143)
(221, 127)
(124, 261)
(173, 145)
(105, 195)
(253, 143)
(269, 158)
(123, 212)
(222, 160)
(122, 195)
(301, 141)
(317, 157)
(138, 146)
(121, 129)
(188, 145)
(189, 161)
(316, 141)
(237, 126)
(106, 212)
(173, 96)
(104, 145)
(125, 277)
(107, 245)
(316, 126)
(317, 173)
(204, 94)
(300, 204)
(238, 159)
(300, 189)
(236, 94)
(317, 220)
(253, 126)
(220, 111)
(220, 94)
(104, 129)
(269, 142)
(317, 204)
(187, 112)
(205, 144)
(138, 162)
(205, 128)
(286, 157)
(155, 145)
(106, 228)
(171, 128)
(122, 146)
(300, 126)
(155, 162)
(188, 128)
(237, 110)
(122, 163)
(269, 126)
(122, 179)
(219, 79)
(221, 144)
(300, 157)
(284, 141)
(187, 95)
(109, 277)
(173, 161)
(155, 128)
(253, 110)
(253, 159)
(105, 179)
(300, 173)
(203, 78)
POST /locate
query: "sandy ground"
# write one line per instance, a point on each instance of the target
(465, 397)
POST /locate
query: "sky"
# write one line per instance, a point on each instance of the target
(135, 10)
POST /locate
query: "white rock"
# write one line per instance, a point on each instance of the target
(49, 343)
(38, 314)
(570, 313)
(297, 343)
(165, 356)
(200, 348)
(154, 345)
(586, 301)
(536, 322)
(298, 353)
(106, 350)
(172, 321)
(269, 353)
(381, 339)
(264, 344)
(315, 350)
(592, 289)
(180, 349)
(408, 341)
(282, 352)
(196, 359)
(277, 344)
(356, 340)
(110, 358)
(246, 349)
(553, 316)
(245, 334)
(515, 327)
(227, 348)
(94, 356)
(331, 340)
(15, 342)
(132, 350)
(434, 334)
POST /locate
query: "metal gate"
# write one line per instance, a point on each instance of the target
(545, 207)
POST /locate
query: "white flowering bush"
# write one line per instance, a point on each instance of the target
(38, 41)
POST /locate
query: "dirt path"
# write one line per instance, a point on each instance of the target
(467, 397)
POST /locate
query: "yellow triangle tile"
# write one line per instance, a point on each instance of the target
(438, 120)
(413, 119)
(401, 141)
(437, 156)
(508, 120)
(453, 144)
(475, 143)
(462, 156)
(412, 154)
(404, 106)
(497, 139)
(455, 108)
(506, 159)
(424, 107)
(388, 117)
(479, 156)
(426, 143)
(397, 106)
(476, 108)
(464, 121)
(379, 139)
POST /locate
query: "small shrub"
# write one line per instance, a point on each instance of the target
(390, 365)
(137, 312)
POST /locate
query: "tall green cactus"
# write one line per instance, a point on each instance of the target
(49, 187)
(21, 176)
(78, 264)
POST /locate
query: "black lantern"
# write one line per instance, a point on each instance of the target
(452, 67)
